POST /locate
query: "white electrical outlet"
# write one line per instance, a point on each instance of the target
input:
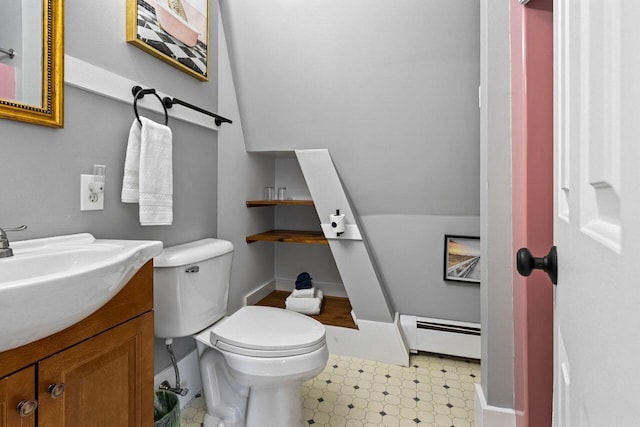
(90, 201)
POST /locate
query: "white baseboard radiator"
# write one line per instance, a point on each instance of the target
(449, 337)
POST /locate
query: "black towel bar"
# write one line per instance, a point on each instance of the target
(170, 102)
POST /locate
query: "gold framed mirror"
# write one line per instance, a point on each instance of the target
(32, 61)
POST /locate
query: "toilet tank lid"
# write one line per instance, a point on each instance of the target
(189, 253)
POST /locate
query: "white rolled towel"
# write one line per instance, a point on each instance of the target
(305, 305)
(304, 293)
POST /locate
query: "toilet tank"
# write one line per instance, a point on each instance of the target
(191, 286)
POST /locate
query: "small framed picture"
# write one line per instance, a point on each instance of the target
(462, 258)
(175, 31)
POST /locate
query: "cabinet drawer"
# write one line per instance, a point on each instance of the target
(107, 380)
(14, 389)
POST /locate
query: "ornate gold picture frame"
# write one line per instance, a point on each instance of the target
(47, 106)
(175, 31)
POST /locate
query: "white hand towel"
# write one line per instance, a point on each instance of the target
(131, 178)
(156, 174)
(305, 305)
(151, 182)
(304, 293)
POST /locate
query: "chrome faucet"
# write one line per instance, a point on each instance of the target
(5, 250)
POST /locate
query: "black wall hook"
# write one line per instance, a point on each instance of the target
(139, 93)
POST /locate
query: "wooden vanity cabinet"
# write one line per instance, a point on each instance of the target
(98, 372)
(18, 391)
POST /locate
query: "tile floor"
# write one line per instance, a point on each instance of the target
(193, 413)
(434, 391)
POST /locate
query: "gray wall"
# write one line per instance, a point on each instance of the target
(243, 177)
(41, 167)
(497, 251)
(391, 89)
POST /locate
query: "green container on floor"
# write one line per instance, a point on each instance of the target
(166, 409)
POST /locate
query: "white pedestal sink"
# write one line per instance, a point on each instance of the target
(51, 283)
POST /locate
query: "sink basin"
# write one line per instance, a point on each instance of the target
(51, 283)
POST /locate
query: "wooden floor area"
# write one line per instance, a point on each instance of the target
(335, 311)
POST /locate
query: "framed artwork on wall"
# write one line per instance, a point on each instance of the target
(175, 31)
(462, 258)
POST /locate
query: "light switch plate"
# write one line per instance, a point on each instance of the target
(90, 201)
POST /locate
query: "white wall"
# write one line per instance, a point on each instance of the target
(391, 89)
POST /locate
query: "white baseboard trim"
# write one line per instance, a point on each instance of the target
(450, 337)
(328, 288)
(492, 416)
(378, 341)
(260, 292)
(189, 377)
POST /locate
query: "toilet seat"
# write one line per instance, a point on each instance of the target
(230, 348)
(267, 332)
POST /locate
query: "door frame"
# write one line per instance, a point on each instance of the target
(531, 28)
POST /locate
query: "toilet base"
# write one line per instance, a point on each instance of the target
(211, 421)
(245, 391)
(275, 406)
(279, 406)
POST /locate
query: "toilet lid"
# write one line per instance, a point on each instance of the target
(268, 331)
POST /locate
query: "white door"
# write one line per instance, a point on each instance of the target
(597, 213)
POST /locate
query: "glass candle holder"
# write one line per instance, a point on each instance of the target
(269, 193)
(282, 193)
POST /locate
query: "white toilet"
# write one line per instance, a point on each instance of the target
(252, 362)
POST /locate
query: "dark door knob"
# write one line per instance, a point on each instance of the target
(526, 263)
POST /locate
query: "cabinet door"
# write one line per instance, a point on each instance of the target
(14, 389)
(108, 380)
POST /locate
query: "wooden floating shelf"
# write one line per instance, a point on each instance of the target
(335, 311)
(289, 236)
(259, 203)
